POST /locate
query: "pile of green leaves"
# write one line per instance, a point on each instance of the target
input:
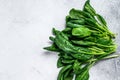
(85, 40)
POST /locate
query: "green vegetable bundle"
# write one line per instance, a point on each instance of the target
(85, 40)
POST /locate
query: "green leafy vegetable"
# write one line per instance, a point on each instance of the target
(85, 40)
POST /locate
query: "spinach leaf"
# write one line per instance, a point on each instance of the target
(81, 32)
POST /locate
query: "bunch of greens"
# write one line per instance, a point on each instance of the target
(85, 40)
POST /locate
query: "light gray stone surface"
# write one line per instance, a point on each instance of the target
(25, 26)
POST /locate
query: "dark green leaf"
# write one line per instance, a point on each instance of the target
(72, 25)
(68, 18)
(83, 43)
(84, 72)
(64, 69)
(67, 30)
(88, 8)
(59, 63)
(67, 56)
(82, 57)
(101, 20)
(54, 31)
(52, 38)
(68, 75)
(83, 76)
(78, 14)
(53, 47)
(79, 21)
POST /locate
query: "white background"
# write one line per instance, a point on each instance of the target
(25, 26)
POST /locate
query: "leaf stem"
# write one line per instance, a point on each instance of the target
(113, 56)
(108, 57)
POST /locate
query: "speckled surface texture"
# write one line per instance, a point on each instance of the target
(25, 26)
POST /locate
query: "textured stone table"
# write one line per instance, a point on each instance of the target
(24, 29)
